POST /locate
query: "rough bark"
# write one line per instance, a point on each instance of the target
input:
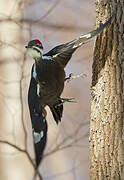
(14, 162)
(107, 103)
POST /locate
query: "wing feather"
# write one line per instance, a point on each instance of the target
(63, 52)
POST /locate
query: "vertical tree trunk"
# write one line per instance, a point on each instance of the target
(107, 104)
(14, 164)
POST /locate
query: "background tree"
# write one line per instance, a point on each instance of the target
(107, 104)
(15, 162)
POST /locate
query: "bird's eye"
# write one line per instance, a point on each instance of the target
(37, 45)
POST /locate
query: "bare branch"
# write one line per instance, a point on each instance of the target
(49, 11)
(24, 4)
(62, 145)
(24, 151)
(54, 26)
(65, 172)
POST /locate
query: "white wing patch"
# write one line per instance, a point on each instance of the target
(37, 136)
(55, 55)
(38, 90)
(34, 71)
(82, 41)
(47, 58)
(86, 35)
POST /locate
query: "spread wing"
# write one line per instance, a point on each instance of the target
(63, 53)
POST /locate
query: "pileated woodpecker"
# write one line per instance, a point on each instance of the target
(48, 69)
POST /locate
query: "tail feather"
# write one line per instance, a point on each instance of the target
(57, 111)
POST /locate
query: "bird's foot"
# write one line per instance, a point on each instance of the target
(63, 100)
(71, 77)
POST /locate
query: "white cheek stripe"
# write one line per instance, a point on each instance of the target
(33, 53)
(39, 49)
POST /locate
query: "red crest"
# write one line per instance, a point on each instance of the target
(36, 40)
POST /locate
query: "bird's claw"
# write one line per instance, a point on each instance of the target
(71, 77)
(63, 100)
(67, 100)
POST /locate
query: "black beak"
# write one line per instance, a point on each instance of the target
(28, 46)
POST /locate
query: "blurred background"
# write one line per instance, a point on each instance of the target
(54, 22)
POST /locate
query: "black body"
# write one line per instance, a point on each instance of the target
(51, 77)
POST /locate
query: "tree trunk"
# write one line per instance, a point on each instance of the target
(107, 104)
(14, 161)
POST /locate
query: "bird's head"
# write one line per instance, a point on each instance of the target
(34, 49)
